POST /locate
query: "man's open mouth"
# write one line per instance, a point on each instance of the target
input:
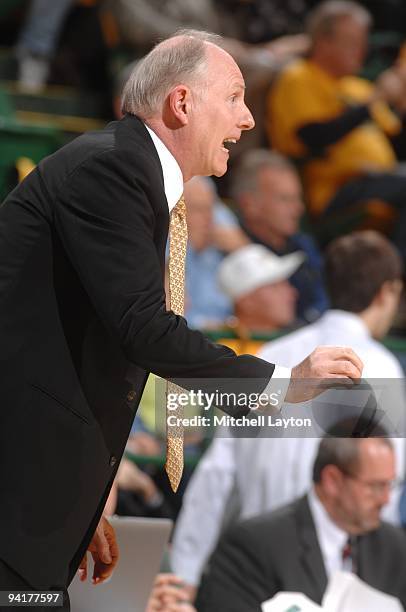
(227, 142)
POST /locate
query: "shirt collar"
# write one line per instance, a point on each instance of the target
(331, 537)
(173, 178)
(350, 321)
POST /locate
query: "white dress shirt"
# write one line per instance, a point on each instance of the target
(173, 178)
(332, 539)
(264, 473)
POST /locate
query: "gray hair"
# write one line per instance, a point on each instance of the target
(245, 176)
(323, 18)
(167, 65)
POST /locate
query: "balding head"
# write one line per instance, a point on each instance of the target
(179, 59)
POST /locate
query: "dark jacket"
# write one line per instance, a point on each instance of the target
(82, 323)
(279, 551)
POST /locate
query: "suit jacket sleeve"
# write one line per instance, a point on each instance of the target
(107, 223)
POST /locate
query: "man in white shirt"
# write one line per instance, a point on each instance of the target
(244, 477)
(336, 526)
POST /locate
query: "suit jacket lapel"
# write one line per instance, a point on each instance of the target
(310, 554)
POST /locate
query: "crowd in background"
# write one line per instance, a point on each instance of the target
(305, 236)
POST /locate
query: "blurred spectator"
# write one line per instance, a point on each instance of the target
(138, 495)
(141, 23)
(257, 283)
(38, 40)
(337, 125)
(206, 304)
(244, 477)
(336, 526)
(145, 490)
(141, 440)
(363, 273)
(259, 21)
(148, 438)
(267, 190)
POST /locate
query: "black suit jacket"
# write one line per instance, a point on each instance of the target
(279, 551)
(82, 323)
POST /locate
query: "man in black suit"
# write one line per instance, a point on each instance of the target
(82, 308)
(297, 547)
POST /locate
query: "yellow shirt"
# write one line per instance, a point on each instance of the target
(242, 346)
(303, 94)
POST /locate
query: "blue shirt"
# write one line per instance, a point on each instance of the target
(205, 302)
(308, 279)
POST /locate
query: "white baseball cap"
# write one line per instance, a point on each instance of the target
(254, 266)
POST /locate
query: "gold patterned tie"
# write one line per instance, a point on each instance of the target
(177, 256)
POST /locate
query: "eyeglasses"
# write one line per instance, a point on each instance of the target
(377, 488)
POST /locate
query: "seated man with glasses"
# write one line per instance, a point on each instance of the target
(336, 526)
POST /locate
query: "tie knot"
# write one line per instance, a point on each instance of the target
(349, 555)
(347, 550)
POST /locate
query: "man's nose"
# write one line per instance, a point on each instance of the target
(247, 121)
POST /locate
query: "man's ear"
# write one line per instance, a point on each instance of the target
(179, 104)
(387, 288)
(331, 479)
(380, 295)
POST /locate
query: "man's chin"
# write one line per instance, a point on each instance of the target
(220, 168)
(220, 172)
(372, 524)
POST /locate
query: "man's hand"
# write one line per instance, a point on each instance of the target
(325, 367)
(104, 551)
(169, 595)
(288, 46)
(390, 87)
(131, 478)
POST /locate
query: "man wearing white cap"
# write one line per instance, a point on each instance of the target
(256, 280)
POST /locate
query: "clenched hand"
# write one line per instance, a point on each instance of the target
(325, 367)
